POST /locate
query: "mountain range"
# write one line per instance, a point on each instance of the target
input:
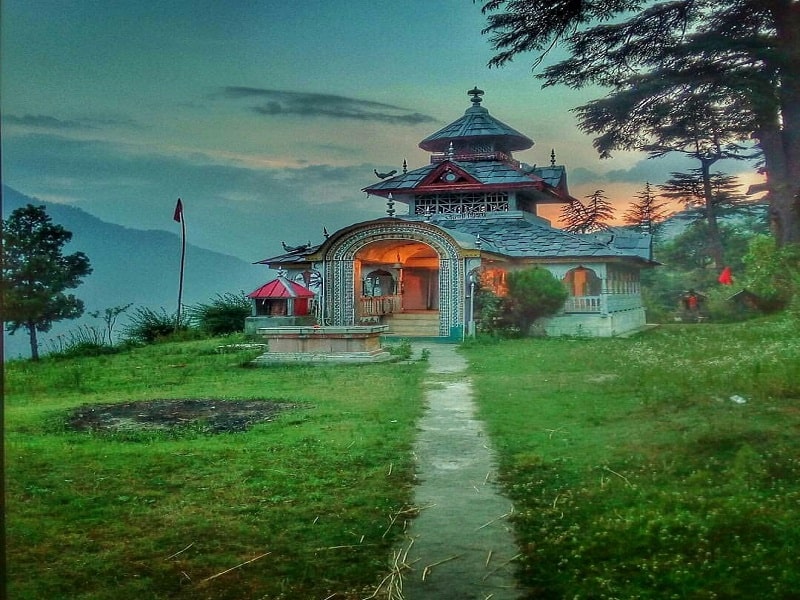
(135, 266)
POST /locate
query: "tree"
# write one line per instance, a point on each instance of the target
(736, 63)
(647, 213)
(36, 273)
(716, 193)
(585, 218)
(532, 294)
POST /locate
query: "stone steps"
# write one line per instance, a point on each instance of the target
(413, 324)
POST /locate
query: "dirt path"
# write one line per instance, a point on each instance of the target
(463, 546)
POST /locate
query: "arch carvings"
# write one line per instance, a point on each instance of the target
(340, 289)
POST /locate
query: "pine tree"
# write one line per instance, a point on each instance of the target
(586, 218)
(647, 213)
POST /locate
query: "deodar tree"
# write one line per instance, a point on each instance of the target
(594, 215)
(702, 77)
(646, 213)
(36, 273)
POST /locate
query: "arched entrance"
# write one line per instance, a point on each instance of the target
(390, 270)
(397, 277)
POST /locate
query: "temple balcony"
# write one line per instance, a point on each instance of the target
(606, 303)
(584, 304)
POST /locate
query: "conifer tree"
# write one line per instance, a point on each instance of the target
(586, 218)
(36, 273)
(736, 63)
(647, 213)
(715, 193)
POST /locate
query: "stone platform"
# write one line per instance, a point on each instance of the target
(327, 344)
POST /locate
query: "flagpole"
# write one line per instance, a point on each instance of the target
(179, 217)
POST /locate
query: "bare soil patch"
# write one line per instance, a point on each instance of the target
(206, 415)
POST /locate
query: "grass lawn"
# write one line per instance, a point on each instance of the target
(662, 466)
(310, 495)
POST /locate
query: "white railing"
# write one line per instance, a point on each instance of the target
(584, 304)
(617, 302)
(375, 306)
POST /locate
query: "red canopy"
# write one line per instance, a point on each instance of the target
(281, 288)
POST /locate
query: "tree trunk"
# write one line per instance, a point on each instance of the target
(31, 327)
(714, 241)
(782, 145)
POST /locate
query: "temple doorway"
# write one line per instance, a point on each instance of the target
(421, 289)
(399, 284)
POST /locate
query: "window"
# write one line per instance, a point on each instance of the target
(379, 283)
(582, 282)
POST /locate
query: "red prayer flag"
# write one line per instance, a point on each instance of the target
(178, 216)
(725, 277)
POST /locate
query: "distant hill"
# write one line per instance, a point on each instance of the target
(132, 265)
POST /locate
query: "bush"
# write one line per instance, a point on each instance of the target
(532, 294)
(83, 341)
(148, 326)
(223, 315)
(772, 273)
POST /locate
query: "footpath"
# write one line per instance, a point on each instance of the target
(461, 544)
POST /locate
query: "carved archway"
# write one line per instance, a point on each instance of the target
(341, 291)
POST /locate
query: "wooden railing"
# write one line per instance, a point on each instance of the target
(375, 306)
(600, 304)
(617, 302)
(584, 304)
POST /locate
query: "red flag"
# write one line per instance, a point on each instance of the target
(178, 216)
(725, 277)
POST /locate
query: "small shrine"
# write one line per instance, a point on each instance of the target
(280, 302)
(472, 216)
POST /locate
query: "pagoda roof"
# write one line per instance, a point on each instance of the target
(496, 173)
(281, 288)
(477, 125)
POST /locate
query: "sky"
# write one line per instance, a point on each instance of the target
(266, 117)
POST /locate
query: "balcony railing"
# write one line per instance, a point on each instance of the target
(375, 306)
(601, 304)
(584, 304)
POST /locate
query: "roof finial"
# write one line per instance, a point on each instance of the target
(476, 95)
(390, 206)
(451, 151)
(552, 157)
(405, 166)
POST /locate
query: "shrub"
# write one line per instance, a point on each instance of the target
(532, 294)
(223, 315)
(772, 273)
(148, 326)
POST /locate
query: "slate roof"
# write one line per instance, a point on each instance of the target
(514, 235)
(486, 172)
(627, 240)
(476, 125)
(554, 175)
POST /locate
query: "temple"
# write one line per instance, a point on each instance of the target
(471, 217)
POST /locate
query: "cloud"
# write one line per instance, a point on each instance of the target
(305, 104)
(235, 207)
(581, 175)
(50, 123)
(44, 122)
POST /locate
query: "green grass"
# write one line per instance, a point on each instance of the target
(633, 472)
(106, 517)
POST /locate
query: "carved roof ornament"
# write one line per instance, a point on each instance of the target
(476, 95)
(552, 157)
(390, 206)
